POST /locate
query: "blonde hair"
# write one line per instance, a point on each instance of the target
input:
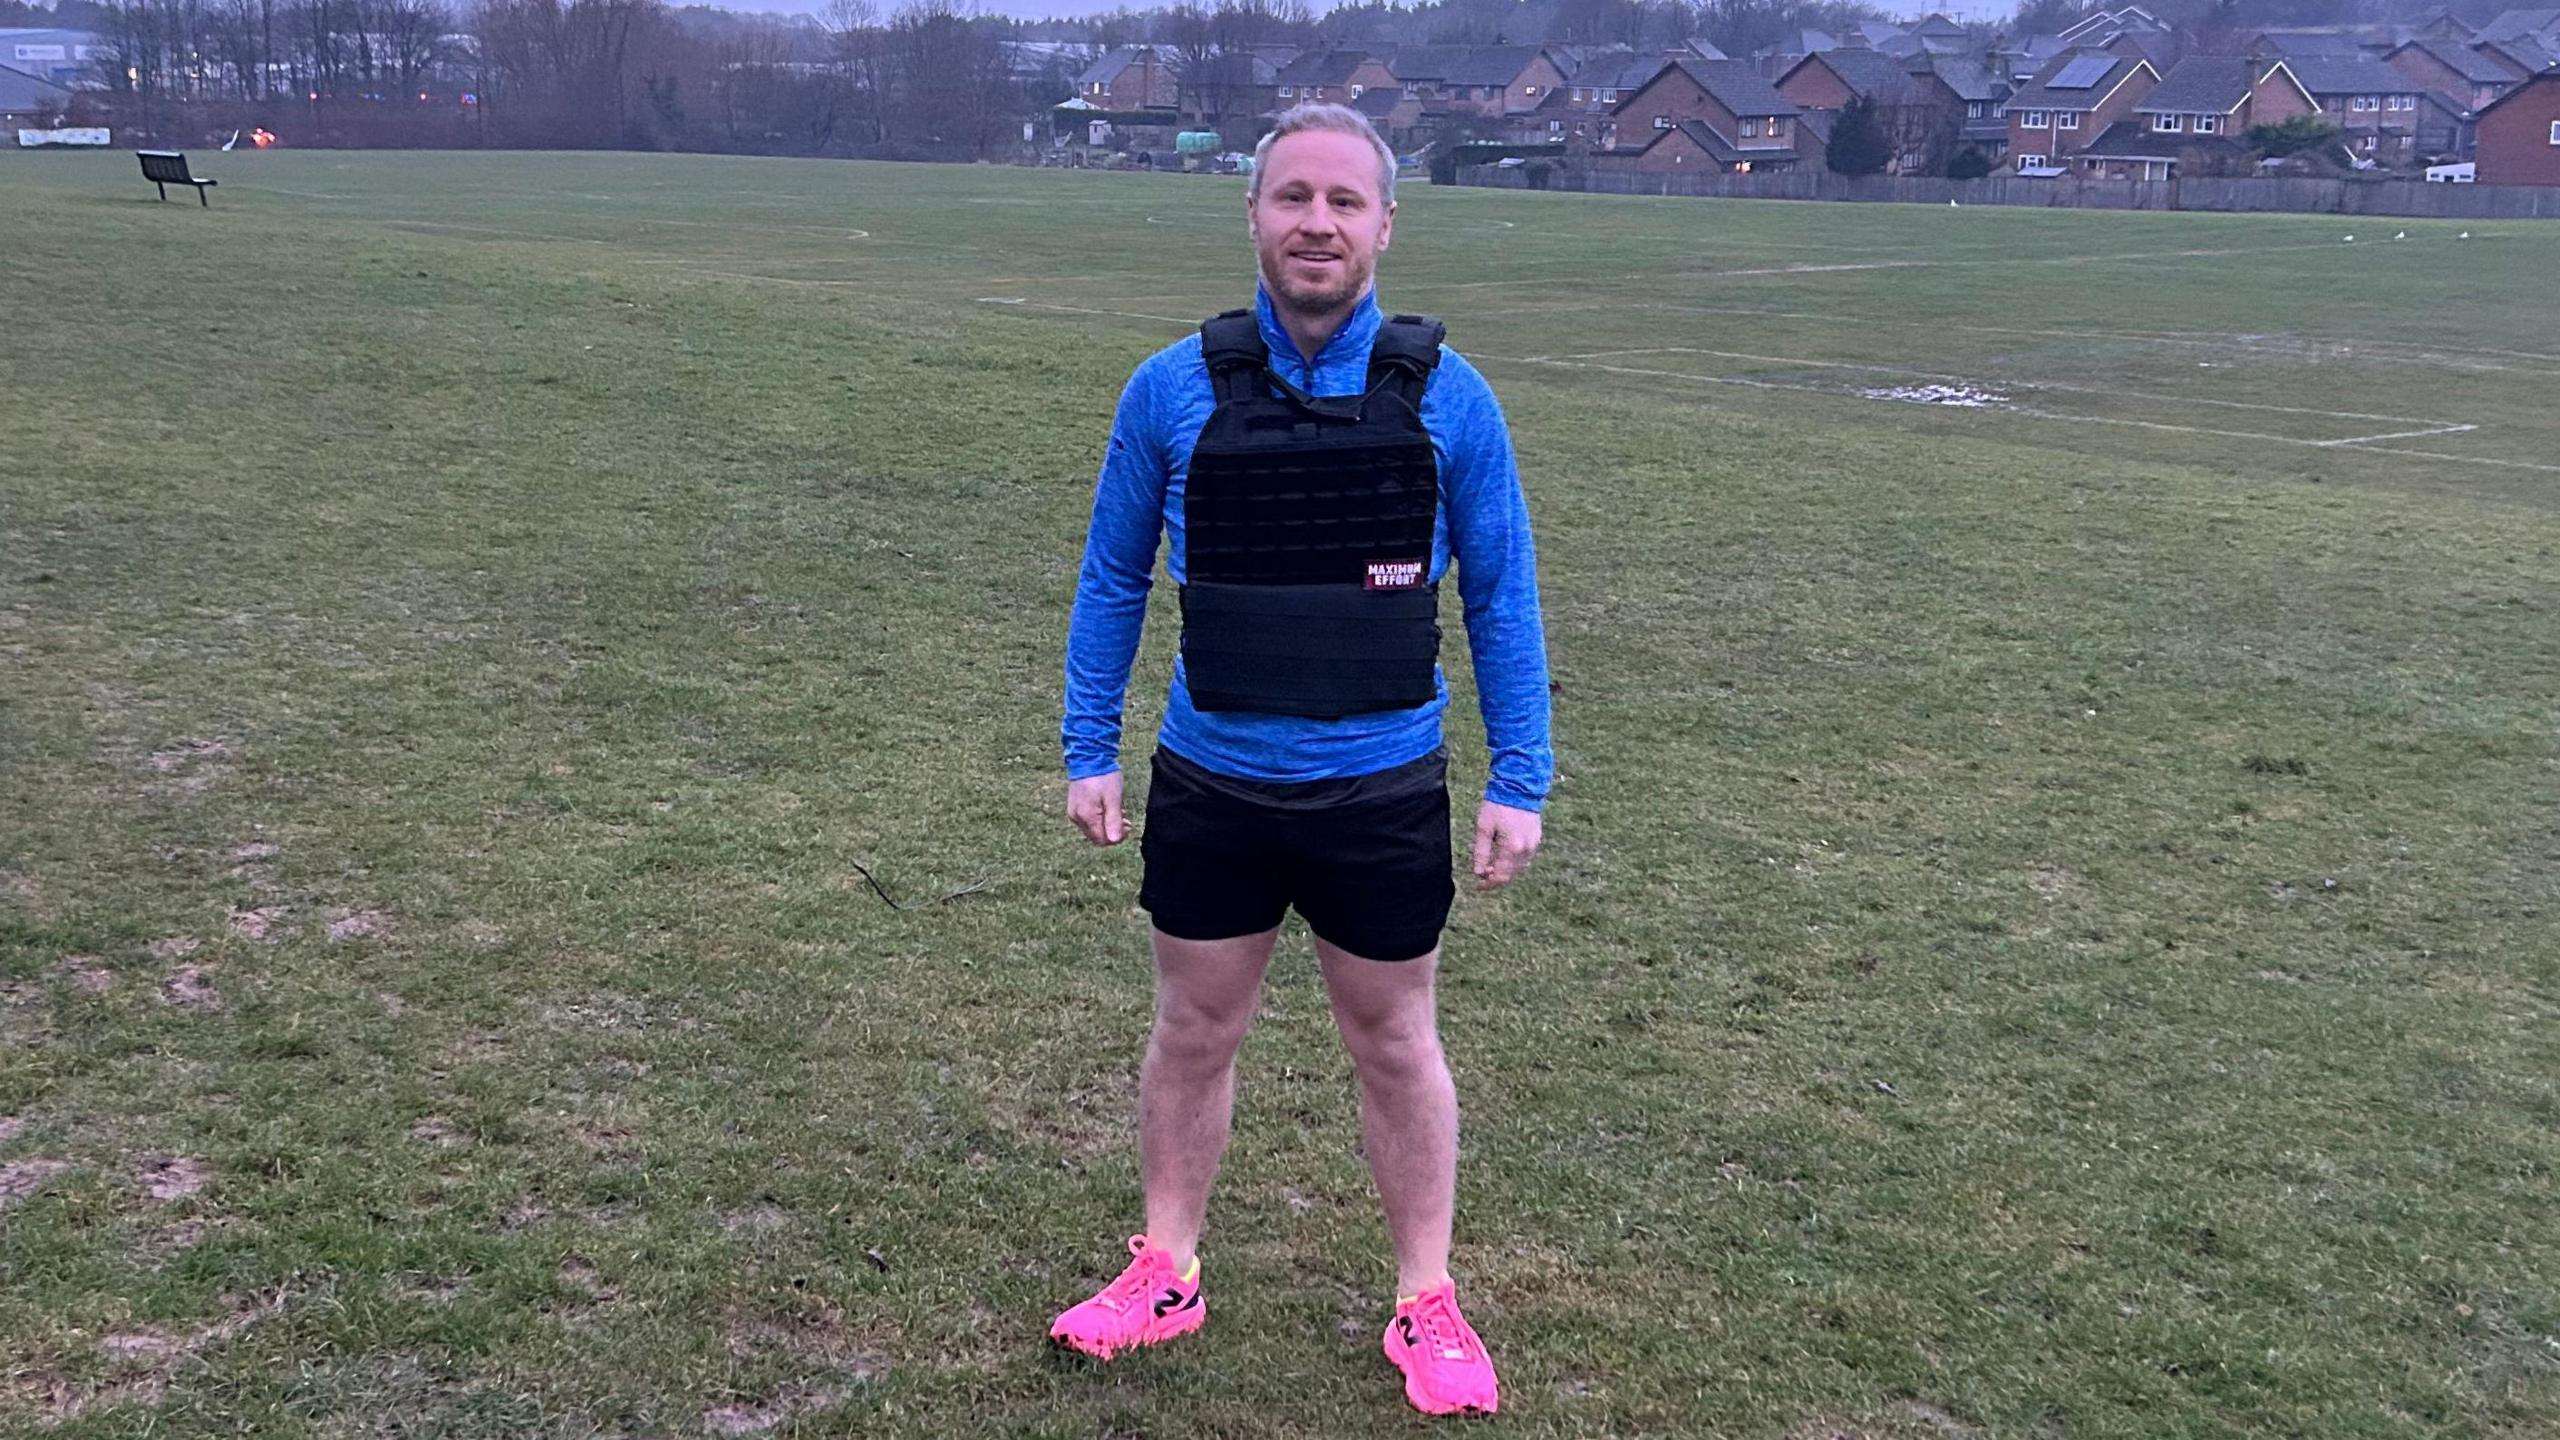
(1336, 119)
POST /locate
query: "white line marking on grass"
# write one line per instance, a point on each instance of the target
(280, 190)
(2029, 410)
(2018, 383)
(1084, 310)
(2402, 435)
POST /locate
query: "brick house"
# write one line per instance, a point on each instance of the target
(1755, 124)
(1138, 77)
(2072, 101)
(2195, 114)
(1489, 80)
(1395, 113)
(1921, 116)
(2373, 103)
(2519, 133)
(1981, 85)
(2467, 79)
(1338, 77)
(1582, 110)
(1692, 147)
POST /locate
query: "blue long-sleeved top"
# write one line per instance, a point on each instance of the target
(1483, 525)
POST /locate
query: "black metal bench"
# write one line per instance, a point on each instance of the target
(165, 168)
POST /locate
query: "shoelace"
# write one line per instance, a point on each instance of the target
(1135, 1283)
(1443, 1329)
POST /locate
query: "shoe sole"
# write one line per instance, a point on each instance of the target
(1175, 1331)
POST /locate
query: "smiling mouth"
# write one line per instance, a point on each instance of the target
(1314, 257)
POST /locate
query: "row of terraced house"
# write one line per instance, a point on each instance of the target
(2117, 95)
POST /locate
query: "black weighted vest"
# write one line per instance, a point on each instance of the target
(1309, 520)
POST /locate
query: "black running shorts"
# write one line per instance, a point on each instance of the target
(1365, 859)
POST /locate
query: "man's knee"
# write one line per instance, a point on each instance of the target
(1193, 1035)
(1394, 1047)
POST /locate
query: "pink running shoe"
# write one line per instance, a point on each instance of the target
(1147, 1305)
(1446, 1371)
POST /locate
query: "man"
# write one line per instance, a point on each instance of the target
(1319, 469)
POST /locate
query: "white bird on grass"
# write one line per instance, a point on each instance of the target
(2403, 235)
(2350, 240)
(2465, 235)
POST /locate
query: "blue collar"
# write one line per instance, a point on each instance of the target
(1345, 355)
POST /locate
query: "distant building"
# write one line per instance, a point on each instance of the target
(1728, 116)
(2377, 106)
(59, 57)
(2197, 112)
(1138, 77)
(2519, 135)
(2074, 100)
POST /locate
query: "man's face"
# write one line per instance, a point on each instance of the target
(1318, 221)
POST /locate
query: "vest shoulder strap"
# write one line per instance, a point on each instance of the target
(1231, 346)
(1405, 353)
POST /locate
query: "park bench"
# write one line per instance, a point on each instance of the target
(165, 168)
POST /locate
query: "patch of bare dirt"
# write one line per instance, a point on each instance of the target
(754, 1219)
(358, 925)
(814, 1333)
(526, 1214)
(173, 947)
(263, 925)
(174, 1177)
(480, 933)
(190, 987)
(22, 1178)
(579, 1273)
(191, 766)
(763, 1415)
(439, 1132)
(2050, 881)
(86, 974)
(10, 1128)
(140, 1363)
(255, 851)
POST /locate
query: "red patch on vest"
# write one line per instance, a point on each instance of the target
(1395, 575)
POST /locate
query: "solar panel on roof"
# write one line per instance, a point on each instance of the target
(2082, 73)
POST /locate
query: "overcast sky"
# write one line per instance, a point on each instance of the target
(1054, 9)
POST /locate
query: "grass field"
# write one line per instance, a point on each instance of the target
(2047, 927)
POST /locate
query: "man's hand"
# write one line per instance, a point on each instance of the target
(1505, 839)
(1093, 803)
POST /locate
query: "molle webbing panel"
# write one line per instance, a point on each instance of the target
(1305, 518)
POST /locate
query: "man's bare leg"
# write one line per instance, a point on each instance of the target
(1206, 994)
(1408, 1105)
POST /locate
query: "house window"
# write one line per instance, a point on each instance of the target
(2026, 162)
(1288, 92)
(2167, 124)
(2067, 119)
(1356, 89)
(1777, 127)
(1580, 94)
(2034, 120)
(2364, 102)
(1999, 112)
(1661, 122)
(1750, 129)
(2208, 124)
(1528, 89)
(2555, 132)
(1555, 129)
(1973, 111)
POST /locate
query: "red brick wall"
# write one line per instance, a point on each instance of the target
(2515, 137)
(1676, 94)
(1541, 75)
(1812, 86)
(2272, 101)
(1675, 154)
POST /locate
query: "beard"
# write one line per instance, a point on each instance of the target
(1318, 297)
